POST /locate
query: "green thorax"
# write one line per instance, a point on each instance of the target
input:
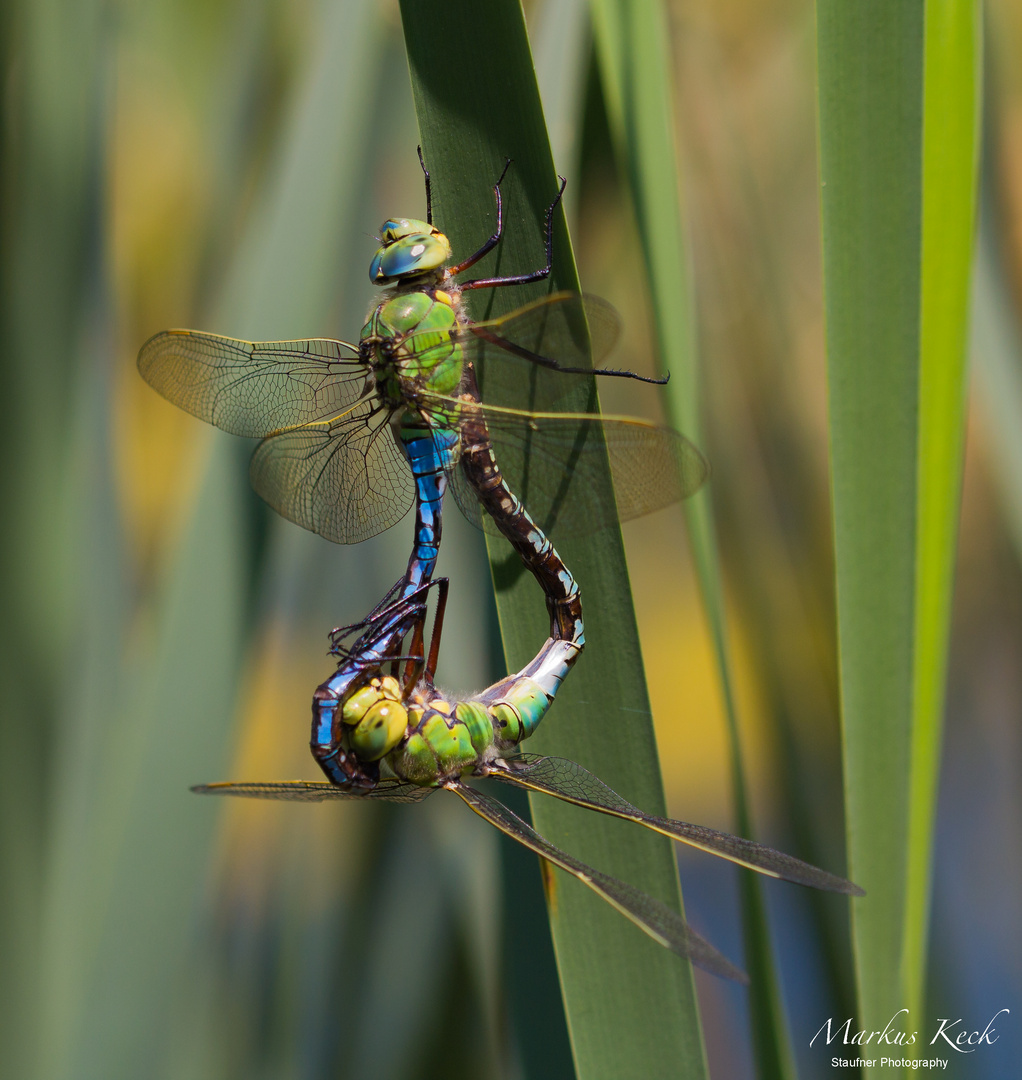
(442, 740)
(407, 339)
(446, 738)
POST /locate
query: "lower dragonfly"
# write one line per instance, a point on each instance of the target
(399, 739)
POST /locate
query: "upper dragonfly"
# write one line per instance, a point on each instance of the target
(328, 411)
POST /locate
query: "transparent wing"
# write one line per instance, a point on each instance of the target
(254, 388)
(552, 462)
(566, 328)
(310, 791)
(569, 781)
(663, 925)
(344, 478)
(573, 329)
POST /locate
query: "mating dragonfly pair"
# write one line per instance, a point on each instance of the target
(352, 435)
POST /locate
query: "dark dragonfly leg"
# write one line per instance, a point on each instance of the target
(429, 190)
(419, 664)
(552, 365)
(377, 647)
(563, 599)
(494, 239)
(517, 279)
(381, 643)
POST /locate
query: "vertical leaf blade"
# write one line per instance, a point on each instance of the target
(630, 1005)
(951, 124)
(897, 92)
(870, 149)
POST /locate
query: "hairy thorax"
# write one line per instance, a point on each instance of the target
(408, 341)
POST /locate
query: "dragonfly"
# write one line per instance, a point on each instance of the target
(327, 411)
(401, 740)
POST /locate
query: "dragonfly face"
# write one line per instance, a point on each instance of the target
(410, 249)
(376, 718)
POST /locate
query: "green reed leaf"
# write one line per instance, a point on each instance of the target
(630, 1005)
(898, 88)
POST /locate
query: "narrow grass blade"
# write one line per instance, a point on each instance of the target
(632, 44)
(898, 90)
(952, 90)
(630, 1006)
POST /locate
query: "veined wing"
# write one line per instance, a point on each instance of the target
(344, 478)
(568, 331)
(253, 388)
(573, 329)
(567, 780)
(313, 791)
(553, 461)
(663, 925)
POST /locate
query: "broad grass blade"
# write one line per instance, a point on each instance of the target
(898, 93)
(630, 1006)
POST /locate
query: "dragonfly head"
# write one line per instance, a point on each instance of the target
(410, 248)
(376, 717)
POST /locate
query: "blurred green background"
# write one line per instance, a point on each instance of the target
(224, 165)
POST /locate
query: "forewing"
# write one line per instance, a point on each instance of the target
(566, 328)
(573, 329)
(254, 388)
(570, 781)
(656, 919)
(553, 463)
(345, 478)
(311, 791)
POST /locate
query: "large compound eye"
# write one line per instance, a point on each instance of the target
(380, 730)
(377, 716)
(409, 255)
(394, 229)
(358, 703)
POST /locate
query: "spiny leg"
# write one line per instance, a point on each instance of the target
(396, 601)
(429, 190)
(548, 362)
(406, 669)
(494, 239)
(520, 279)
(438, 629)
(418, 664)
